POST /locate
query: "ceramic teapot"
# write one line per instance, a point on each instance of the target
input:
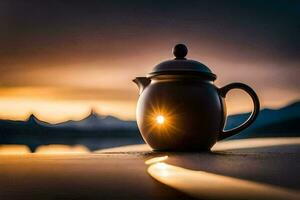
(180, 108)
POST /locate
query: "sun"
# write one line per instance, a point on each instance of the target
(160, 119)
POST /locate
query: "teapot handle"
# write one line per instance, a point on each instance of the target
(223, 91)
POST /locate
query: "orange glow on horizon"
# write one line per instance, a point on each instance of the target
(58, 104)
(63, 110)
(55, 111)
(74, 58)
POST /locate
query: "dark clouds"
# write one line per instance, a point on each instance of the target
(34, 28)
(47, 34)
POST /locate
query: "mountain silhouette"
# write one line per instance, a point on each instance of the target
(97, 131)
(32, 120)
(94, 121)
(94, 131)
(283, 122)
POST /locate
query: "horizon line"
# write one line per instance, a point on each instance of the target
(94, 112)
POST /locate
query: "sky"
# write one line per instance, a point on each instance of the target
(59, 59)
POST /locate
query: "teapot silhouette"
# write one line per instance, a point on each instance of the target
(180, 108)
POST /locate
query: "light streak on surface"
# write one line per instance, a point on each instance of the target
(206, 185)
(255, 143)
(11, 149)
(61, 149)
(155, 160)
(222, 145)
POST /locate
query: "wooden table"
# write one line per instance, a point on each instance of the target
(241, 169)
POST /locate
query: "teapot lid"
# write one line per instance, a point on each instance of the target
(182, 66)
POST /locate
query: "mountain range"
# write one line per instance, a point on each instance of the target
(95, 121)
(95, 129)
(283, 122)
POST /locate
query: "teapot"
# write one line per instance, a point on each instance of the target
(180, 109)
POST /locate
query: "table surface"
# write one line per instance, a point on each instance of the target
(238, 169)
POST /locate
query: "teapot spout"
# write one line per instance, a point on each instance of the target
(142, 83)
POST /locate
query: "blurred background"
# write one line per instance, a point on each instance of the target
(66, 66)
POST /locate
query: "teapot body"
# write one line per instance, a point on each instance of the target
(178, 113)
(180, 109)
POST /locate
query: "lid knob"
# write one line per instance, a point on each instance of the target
(180, 51)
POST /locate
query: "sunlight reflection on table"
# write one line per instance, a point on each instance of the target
(206, 185)
(197, 183)
(201, 184)
(14, 149)
(11, 149)
(220, 146)
(255, 143)
(54, 149)
(62, 149)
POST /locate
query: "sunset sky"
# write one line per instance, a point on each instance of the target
(58, 59)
